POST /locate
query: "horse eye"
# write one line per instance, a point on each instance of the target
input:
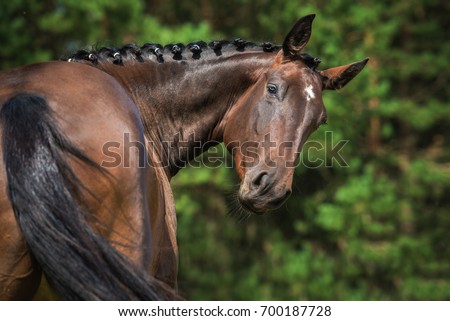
(272, 89)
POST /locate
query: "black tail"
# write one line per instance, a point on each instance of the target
(45, 195)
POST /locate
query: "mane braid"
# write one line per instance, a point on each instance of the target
(173, 51)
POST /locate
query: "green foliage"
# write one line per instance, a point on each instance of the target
(375, 230)
(43, 30)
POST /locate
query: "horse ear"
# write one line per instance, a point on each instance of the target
(338, 77)
(298, 37)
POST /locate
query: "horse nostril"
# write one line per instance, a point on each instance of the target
(260, 181)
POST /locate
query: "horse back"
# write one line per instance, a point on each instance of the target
(94, 112)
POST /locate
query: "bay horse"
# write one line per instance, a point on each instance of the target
(90, 144)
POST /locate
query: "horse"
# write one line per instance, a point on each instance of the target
(91, 142)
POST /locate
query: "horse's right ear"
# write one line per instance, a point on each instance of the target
(298, 37)
(337, 77)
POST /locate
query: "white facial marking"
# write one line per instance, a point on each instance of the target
(309, 92)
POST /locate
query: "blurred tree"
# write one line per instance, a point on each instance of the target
(48, 29)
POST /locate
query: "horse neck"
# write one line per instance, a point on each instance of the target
(183, 105)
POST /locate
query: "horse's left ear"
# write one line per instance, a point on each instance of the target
(338, 77)
(298, 37)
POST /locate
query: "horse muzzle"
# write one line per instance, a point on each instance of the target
(261, 192)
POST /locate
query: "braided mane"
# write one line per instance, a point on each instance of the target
(174, 51)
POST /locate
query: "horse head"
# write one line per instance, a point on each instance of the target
(268, 125)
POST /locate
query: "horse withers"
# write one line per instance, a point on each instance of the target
(89, 146)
